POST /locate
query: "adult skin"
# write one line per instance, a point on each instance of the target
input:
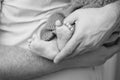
(17, 63)
(90, 27)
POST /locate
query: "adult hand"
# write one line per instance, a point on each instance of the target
(46, 49)
(49, 49)
(90, 27)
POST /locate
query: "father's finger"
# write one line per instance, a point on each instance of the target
(70, 18)
(68, 49)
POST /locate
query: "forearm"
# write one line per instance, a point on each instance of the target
(17, 63)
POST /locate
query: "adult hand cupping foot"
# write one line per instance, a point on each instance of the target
(90, 26)
(49, 49)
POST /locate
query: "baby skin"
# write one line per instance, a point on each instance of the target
(64, 33)
(49, 49)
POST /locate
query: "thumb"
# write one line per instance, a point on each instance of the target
(70, 18)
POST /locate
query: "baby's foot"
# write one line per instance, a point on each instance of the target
(46, 32)
(63, 33)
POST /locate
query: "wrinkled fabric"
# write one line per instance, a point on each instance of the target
(21, 18)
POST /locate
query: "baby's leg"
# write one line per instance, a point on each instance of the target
(64, 33)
